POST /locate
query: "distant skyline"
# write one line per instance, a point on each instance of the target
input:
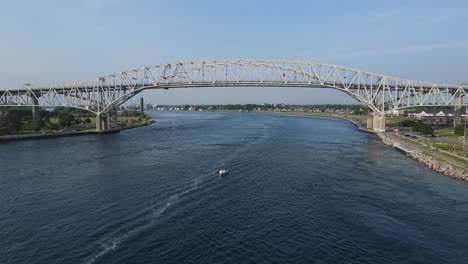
(43, 42)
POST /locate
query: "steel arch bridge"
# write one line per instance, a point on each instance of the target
(103, 95)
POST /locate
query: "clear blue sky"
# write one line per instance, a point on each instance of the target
(45, 41)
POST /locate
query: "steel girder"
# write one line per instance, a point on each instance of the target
(376, 91)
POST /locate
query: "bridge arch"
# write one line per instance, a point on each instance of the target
(376, 91)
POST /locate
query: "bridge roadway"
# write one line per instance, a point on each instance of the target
(103, 95)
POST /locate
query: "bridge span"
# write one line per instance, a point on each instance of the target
(103, 95)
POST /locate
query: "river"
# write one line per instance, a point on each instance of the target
(300, 190)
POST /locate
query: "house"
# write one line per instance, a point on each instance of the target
(396, 112)
(435, 117)
(438, 120)
(419, 114)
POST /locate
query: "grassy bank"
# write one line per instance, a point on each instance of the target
(122, 121)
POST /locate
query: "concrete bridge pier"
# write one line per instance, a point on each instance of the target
(376, 121)
(113, 119)
(35, 108)
(458, 110)
(102, 122)
(106, 121)
(370, 119)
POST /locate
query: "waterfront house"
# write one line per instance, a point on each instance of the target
(419, 114)
(435, 117)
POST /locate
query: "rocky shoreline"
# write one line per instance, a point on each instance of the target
(430, 162)
(440, 167)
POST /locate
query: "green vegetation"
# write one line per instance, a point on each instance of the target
(423, 128)
(12, 120)
(52, 127)
(131, 116)
(65, 119)
(453, 157)
(37, 125)
(18, 120)
(347, 109)
(459, 130)
(15, 120)
(446, 132)
(133, 113)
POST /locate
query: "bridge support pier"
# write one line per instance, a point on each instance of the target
(370, 120)
(35, 108)
(113, 119)
(101, 123)
(458, 111)
(376, 121)
(106, 121)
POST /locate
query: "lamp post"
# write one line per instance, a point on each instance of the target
(464, 129)
(466, 116)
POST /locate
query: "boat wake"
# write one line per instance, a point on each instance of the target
(155, 211)
(111, 244)
(106, 247)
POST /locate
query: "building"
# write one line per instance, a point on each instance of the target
(396, 112)
(434, 117)
(438, 120)
(419, 114)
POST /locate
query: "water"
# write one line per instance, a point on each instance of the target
(300, 190)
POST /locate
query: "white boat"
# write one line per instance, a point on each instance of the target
(223, 172)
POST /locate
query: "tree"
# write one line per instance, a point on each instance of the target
(52, 126)
(422, 128)
(426, 130)
(87, 120)
(4, 131)
(65, 119)
(13, 119)
(38, 124)
(459, 130)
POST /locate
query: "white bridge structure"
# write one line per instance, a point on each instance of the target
(103, 95)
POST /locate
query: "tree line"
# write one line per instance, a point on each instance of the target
(17, 119)
(269, 107)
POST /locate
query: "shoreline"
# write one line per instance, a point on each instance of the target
(443, 167)
(433, 162)
(39, 136)
(321, 116)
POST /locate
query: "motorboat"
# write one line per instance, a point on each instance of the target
(223, 172)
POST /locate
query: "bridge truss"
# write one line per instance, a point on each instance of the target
(101, 95)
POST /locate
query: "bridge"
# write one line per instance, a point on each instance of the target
(103, 95)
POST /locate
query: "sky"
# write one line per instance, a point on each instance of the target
(45, 42)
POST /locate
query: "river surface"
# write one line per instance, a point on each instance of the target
(300, 190)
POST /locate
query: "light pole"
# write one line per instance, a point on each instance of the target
(466, 116)
(464, 129)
